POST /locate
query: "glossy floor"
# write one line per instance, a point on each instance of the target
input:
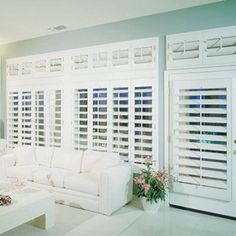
(131, 221)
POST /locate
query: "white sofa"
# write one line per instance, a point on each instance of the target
(96, 181)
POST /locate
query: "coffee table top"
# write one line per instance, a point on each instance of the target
(21, 196)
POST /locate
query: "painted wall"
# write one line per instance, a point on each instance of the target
(190, 19)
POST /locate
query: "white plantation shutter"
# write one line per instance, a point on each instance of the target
(100, 59)
(13, 69)
(81, 97)
(55, 118)
(13, 128)
(26, 118)
(143, 123)
(120, 57)
(201, 137)
(40, 66)
(220, 46)
(80, 62)
(120, 125)
(100, 116)
(40, 129)
(144, 54)
(56, 64)
(184, 50)
(26, 68)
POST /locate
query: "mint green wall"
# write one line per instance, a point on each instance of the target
(190, 19)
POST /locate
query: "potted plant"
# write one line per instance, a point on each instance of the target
(152, 186)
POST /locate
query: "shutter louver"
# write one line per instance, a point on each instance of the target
(143, 123)
(40, 118)
(81, 119)
(26, 118)
(201, 137)
(55, 118)
(13, 118)
(120, 130)
(99, 140)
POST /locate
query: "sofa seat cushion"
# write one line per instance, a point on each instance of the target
(58, 176)
(67, 159)
(51, 176)
(42, 175)
(44, 155)
(22, 172)
(84, 182)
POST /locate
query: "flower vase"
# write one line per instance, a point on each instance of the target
(150, 207)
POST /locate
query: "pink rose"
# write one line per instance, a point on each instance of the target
(148, 160)
(146, 187)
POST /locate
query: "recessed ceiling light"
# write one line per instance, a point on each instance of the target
(57, 28)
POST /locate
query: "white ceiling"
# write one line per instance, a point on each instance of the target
(24, 19)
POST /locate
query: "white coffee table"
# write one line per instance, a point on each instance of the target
(28, 204)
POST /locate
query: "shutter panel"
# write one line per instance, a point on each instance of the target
(201, 138)
(184, 50)
(40, 137)
(81, 119)
(120, 125)
(26, 68)
(144, 54)
(13, 69)
(120, 57)
(26, 118)
(12, 120)
(56, 64)
(100, 59)
(99, 101)
(40, 66)
(143, 123)
(80, 62)
(55, 118)
(220, 46)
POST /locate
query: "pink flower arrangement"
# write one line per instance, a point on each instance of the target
(152, 184)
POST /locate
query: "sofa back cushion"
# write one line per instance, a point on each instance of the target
(109, 160)
(25, 155)
(67, 159)
(44, 155)
(89, 159)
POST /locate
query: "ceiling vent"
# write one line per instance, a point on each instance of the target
(57, 28)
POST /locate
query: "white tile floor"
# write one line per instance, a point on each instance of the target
(131, 221)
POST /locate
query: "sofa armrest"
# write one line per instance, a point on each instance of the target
(6, 161)
(115, 188)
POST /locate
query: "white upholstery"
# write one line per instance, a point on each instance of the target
(58, 176)
(106, 162)
(67, 159)
(84, 182)
(21, 172)
(93, 180)
(89, 160)
(42, 175)
(25, 155)
(44, 155)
